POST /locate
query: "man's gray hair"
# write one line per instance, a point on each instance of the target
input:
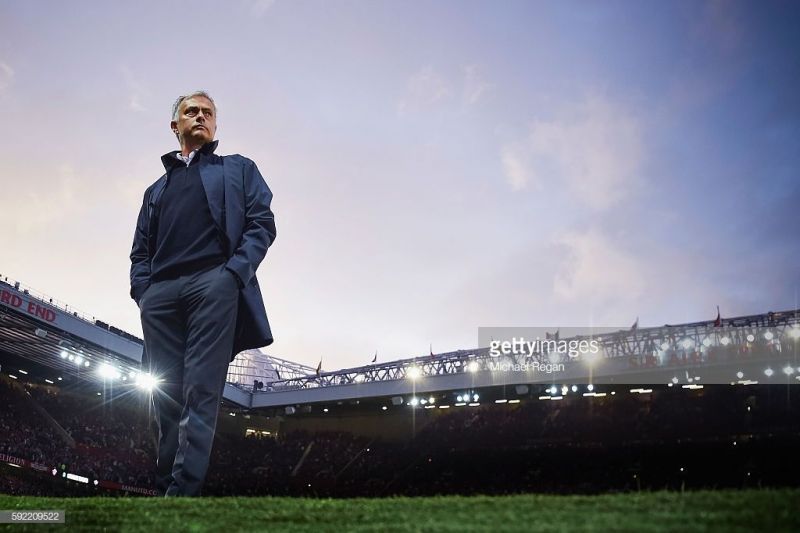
(180, 99)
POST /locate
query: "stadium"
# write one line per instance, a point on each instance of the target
(568, 228)
(680, 409)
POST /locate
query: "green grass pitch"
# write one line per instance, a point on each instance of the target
(723, 510)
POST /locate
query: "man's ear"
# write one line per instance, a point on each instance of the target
(173, 125)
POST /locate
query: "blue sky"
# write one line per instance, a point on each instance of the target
(436, 166)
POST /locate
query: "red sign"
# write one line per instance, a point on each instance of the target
(30, 307)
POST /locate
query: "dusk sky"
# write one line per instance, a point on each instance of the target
(436, 166)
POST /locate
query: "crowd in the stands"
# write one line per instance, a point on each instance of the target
(731, 436)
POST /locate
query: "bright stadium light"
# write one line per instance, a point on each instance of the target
(725, 341)
(414, 401)
(146, 381)
(86, 364)
(788, 370)
(564, 390)
(675, 380)
(706, 342)
(768, 372)
(740, 374)
(78, 360)
(475, 397)
(574, 388)
(750, 338)
(64, 354)
(795, 332)
(552, 390)
(768, 335)
(107, 371)
(472, 366)
(431, 400)
(71, 357)
(590, 387)
(414, 372)
(665, 346)
(687, 343)
(459, 398)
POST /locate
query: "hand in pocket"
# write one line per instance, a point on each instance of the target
(235, 279)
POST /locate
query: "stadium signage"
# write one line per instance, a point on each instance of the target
(30, 307)
(10, 459)
(128, 488)
(112, 485)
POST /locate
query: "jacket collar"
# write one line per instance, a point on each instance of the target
(170, 160)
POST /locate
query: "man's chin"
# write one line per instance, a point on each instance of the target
(200, 136)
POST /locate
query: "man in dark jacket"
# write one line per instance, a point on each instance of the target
(203, 229)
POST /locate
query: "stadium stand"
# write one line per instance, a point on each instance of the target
(718, 436)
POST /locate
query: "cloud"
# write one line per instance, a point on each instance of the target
(428, 88)
(423, 89)
(516, 166)
(135, 104)
(573, 278)
(595, 269)
(594, 152)
(258, 8)
(475, 86)
(37, 209)
(6, 76)
(137, 91)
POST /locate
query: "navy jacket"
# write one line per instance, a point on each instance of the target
(239, 200)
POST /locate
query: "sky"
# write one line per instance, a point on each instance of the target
(436, 166)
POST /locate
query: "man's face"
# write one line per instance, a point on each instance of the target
(197, 121)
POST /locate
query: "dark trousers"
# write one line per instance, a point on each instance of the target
(188, 325)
